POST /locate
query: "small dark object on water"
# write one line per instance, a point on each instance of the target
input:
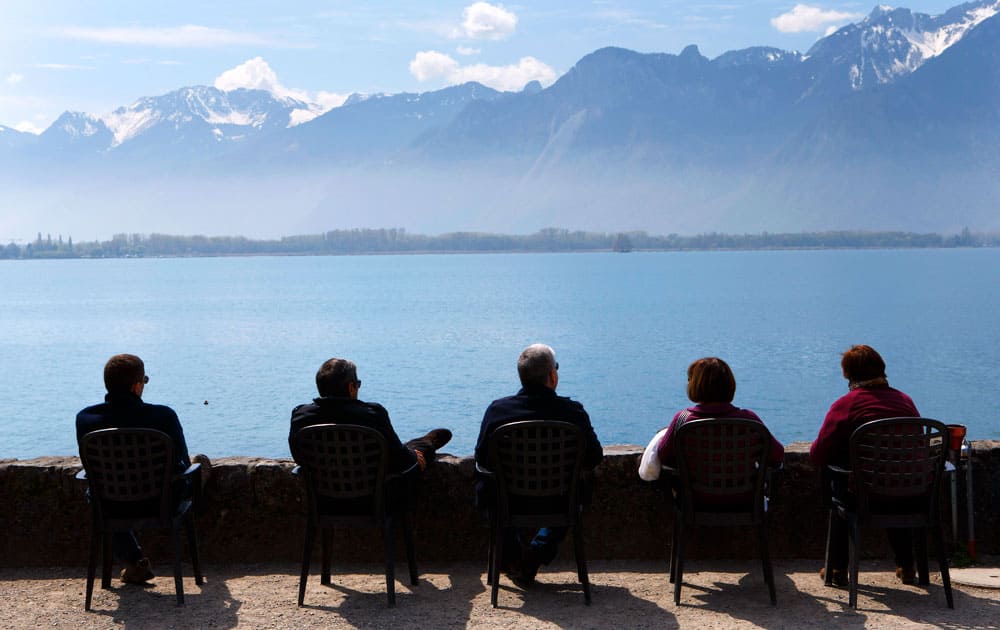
(205, 403)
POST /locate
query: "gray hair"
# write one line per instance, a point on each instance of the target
(535, 364)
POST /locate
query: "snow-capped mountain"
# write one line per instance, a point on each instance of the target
(891, 43)
(889, 123)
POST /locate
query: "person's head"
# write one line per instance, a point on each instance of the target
(125, 373)
(537, 366)
(862, 363)
(338, 377)
(710, 381)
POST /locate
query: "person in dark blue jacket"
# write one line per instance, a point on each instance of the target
(338, 385)
(538, 371)
(125, 379)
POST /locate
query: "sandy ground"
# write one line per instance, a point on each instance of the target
(626, 594)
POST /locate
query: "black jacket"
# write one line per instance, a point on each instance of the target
(345, 410)
(125, 410)
(538, 403)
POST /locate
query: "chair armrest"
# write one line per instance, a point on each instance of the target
(297, 471)
(81, 475)
(193, 473)
(669, 470)
(482, 471)
(837, 470)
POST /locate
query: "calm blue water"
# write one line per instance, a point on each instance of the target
(436, 337)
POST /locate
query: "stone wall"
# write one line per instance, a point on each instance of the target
(254, 513)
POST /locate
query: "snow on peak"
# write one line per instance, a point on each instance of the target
(256, 74)
(933, 43)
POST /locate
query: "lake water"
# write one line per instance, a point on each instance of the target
(436, 337)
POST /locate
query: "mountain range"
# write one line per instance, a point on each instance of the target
(888, 123)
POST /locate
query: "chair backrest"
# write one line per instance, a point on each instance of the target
(342, 462)
(537, 462)
(722, 460)
(897, 458)
(129, 466)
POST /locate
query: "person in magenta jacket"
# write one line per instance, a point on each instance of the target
(869, 398)
(711, 386)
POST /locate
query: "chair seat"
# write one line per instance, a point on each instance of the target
(892, 482)
(132, 485)
(344, 467)
(725, 453)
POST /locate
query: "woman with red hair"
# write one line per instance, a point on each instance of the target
(869, 398)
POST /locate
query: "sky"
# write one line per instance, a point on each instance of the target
(96, 56)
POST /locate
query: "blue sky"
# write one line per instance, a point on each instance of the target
(95, 56)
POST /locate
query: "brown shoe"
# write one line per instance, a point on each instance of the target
(138, 573)
(837, 576)
(906, 575)
(437, 438)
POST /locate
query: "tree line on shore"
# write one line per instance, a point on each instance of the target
(399, 241)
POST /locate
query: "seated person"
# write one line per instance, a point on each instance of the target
(338, 385)
(125, 380)
(711, 386)
(538, 371)
(869, 398)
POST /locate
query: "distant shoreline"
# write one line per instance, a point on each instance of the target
(364, 242)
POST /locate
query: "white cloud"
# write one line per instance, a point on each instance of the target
(467, 51)
(29, 127)
(187, 36)
(14, 78)
(804, 17)
(431, 64)
(256, 74)
(483, 20)
(62, 66)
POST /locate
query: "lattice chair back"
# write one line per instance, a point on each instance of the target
(897, 458)
(342, 461)
(129, 465)
(537, 459)
(722, 457)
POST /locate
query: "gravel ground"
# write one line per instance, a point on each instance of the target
(626, 594)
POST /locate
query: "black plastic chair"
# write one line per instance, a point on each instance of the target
(344, 467)
(535, 466)
(896, 468)
(133, 486)
(723, 481)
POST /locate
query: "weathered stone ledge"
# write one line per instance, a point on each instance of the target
(254, 513)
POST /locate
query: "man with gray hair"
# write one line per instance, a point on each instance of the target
(537, 400)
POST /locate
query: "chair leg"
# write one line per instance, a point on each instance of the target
(827, 571)
(306, 553)
(106, 556)
(495, 569)
(326, 555)
(919, 537)
(854, 532)
(491, 550)
(765, 558)
(673, 549)
(390, 569)
(943, 564)
(411, 558)
(193, 548)
(679, 560)
(95, 543)
(581, 560)
(175, 536)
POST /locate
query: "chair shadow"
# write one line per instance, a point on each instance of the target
(562, 603)
(926, 605)
(363, 609)
(748, 600)
(142, 607)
